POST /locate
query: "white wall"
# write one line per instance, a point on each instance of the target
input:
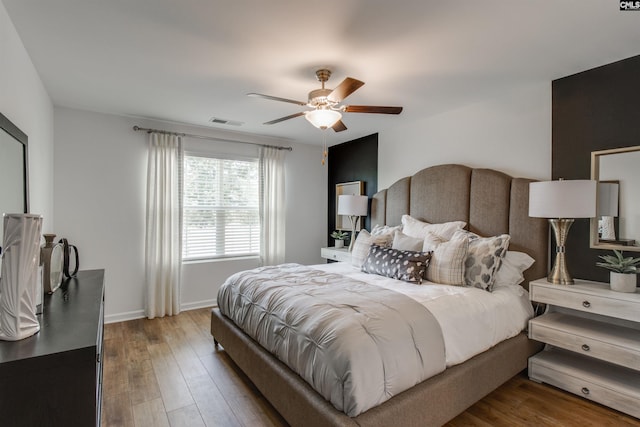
(510, 132)
(24, 101)
(100, 185)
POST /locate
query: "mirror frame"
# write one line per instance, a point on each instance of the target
(595, 174)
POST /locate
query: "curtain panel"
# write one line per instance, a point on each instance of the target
(272, 206)
(163, 240)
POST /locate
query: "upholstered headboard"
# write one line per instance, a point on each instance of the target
(489, 201)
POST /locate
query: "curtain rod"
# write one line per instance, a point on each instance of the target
(211, 138)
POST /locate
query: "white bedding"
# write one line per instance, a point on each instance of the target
(472, 320)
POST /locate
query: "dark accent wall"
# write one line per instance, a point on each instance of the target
(355, 160)
(594, 110)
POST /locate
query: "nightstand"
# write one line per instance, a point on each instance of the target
(336, 254)
(592, 337)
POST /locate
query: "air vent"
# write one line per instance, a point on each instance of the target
(219, 121)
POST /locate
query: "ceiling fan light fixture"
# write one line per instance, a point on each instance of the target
(322, 118)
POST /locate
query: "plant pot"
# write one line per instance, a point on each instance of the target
(621, 282)
(339, 244)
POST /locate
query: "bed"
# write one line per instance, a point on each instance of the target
(490, 203)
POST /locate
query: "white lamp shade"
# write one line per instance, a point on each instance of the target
(563, 199)
(352, 205)
(322, 118)
(608, 198)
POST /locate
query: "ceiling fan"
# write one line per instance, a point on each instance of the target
(325, 103)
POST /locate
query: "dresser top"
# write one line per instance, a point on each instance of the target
(589, 287)
(70, 320)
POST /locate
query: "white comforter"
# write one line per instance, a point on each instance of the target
(472, 320)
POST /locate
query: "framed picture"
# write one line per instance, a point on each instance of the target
(354, 188)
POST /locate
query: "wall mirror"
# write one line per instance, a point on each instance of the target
(354, 188)
(617, 225)
(14, 173)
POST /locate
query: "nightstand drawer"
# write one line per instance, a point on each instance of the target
(614, 344)
(340, 254)
(611, 385)
(590, 299)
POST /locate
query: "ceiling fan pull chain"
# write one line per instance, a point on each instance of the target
(324, 146)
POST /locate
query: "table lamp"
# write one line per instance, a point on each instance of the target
(354, 207)
(562, 201)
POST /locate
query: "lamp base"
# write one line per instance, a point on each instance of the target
(354, 224)
(559, 274)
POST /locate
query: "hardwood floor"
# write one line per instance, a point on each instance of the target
(166, 372)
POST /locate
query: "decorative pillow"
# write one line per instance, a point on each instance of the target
(362, 244)
(512, 268)
(483, 259)
(419, 229)
(406, 243)
(409, 266)
(379, 230)
(431, 242)
(447, 262)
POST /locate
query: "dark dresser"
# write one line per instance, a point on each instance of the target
(54, 378)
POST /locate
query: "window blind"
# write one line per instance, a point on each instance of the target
(220, 208)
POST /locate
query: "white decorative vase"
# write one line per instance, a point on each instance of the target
(623, 282)
(19, 285)
(339, 243)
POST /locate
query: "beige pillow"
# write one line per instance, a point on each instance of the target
(364, 242)
(419, 229)
(447, 262)
(379, 230)
(406, 243)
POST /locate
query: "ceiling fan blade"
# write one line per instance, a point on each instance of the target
(275, 98)
(339, 126)
(282, 119)
(344, 89)
(372, 109)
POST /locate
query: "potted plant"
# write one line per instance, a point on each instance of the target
(339, 237)
(623, 271)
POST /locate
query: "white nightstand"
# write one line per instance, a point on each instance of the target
(336, 254)
(593, 342)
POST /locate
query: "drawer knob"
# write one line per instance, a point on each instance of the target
(586, 304)
(585, 347)
(585, 391)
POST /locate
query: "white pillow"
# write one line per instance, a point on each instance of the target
(419, 229)
(363, 243)
(406, 243)
(447, 262)
(511, 271)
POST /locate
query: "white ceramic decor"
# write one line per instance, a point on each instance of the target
(623, 282)
(20, 261)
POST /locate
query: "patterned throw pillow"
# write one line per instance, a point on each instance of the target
(484, 258)
(363, 243)
(447, 262)
(409, 266)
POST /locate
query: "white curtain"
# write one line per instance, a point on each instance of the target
(272, 207)
(163, 241)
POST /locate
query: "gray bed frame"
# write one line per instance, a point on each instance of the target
(491, 203)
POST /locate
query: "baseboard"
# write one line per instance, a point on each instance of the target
(123, 317)
(139, 314)
(199, 304)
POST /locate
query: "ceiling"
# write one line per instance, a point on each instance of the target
(190, 60)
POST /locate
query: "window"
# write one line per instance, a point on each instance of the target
(220, 207)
